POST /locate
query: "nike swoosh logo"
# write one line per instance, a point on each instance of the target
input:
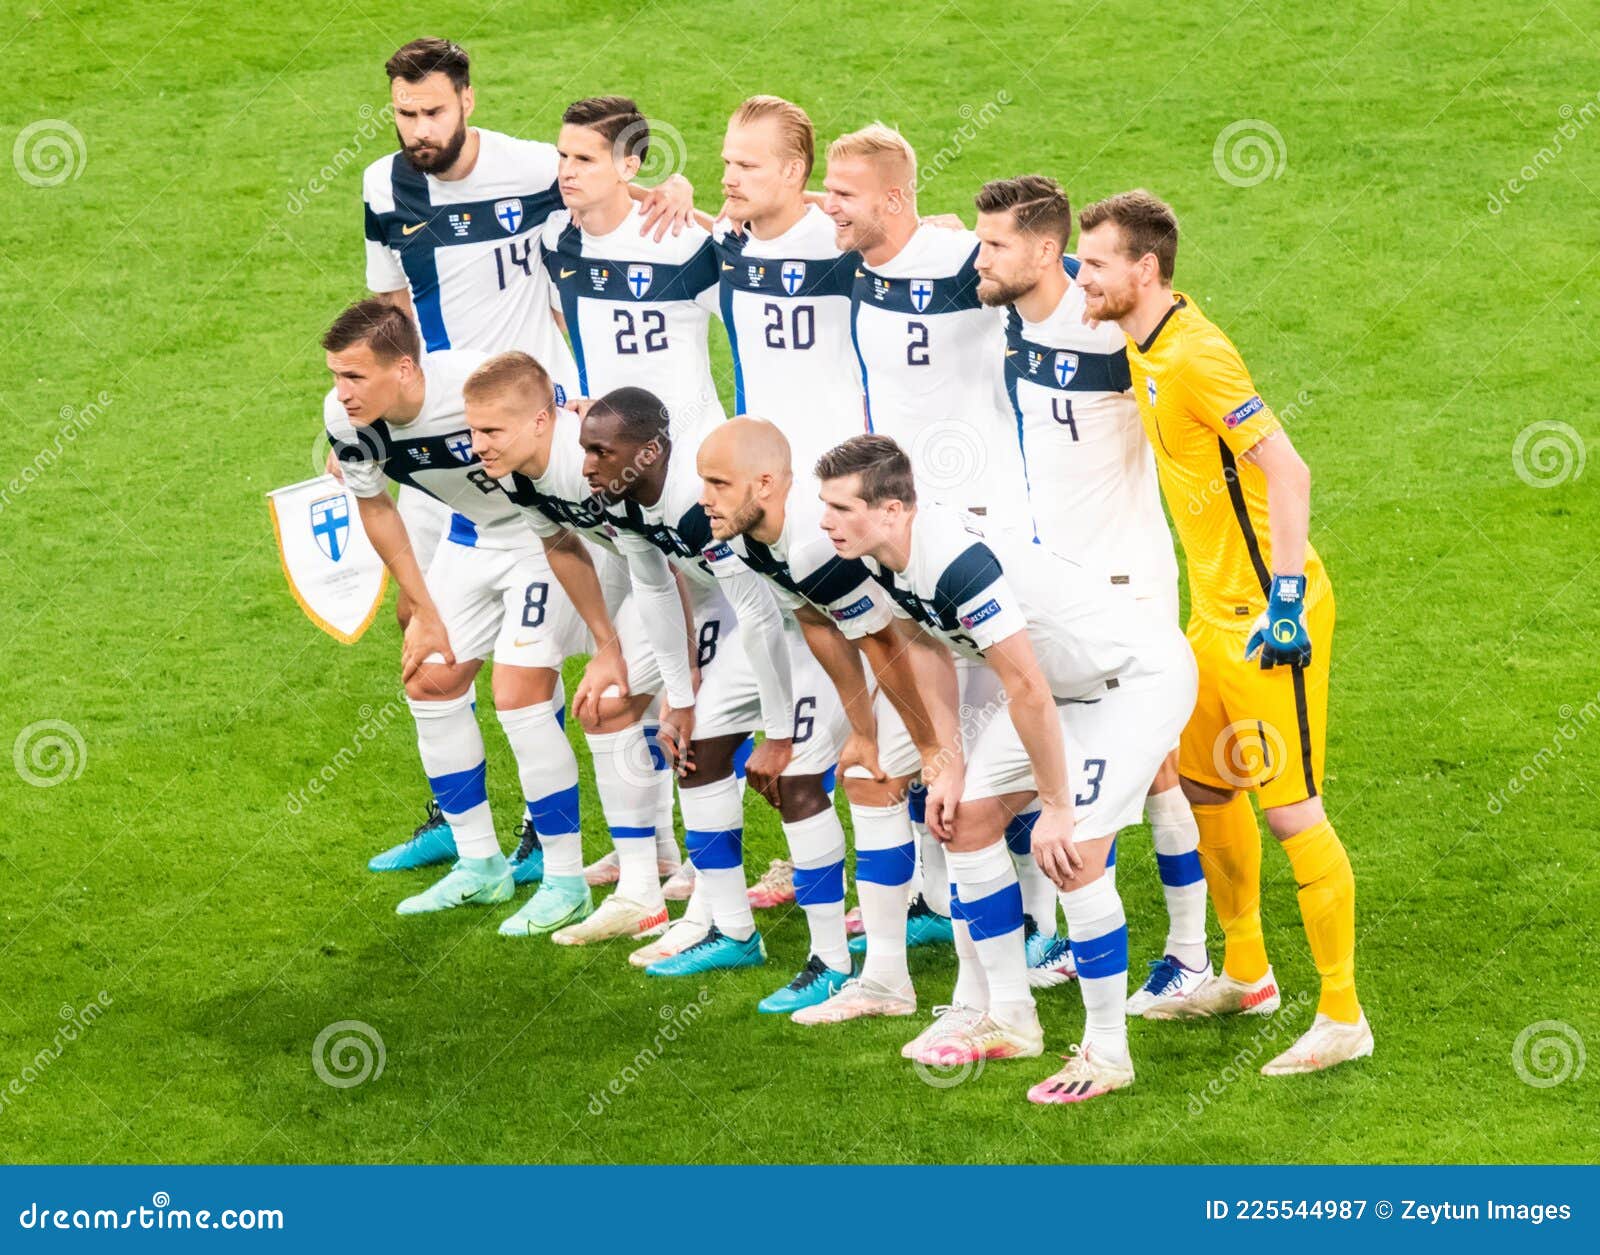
(1011, 352)
(413, 229)
(567, 274)
(727, 265)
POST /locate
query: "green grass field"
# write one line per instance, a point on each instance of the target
(163, 304)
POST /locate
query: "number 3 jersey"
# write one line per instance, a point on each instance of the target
(638, 311)
(468, 250)
(1091, 473)
(972, 585)
(433, 453)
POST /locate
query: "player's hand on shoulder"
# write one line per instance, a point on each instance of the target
(1280, 636)
(669, 206)
(945, 222)
(334, 468)
(578, 405)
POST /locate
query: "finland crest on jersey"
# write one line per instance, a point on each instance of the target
(638, 310)
(786, 304)
(467, 250)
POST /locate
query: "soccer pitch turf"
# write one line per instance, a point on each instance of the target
(1405, 294)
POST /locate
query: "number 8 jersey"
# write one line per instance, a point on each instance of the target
(638, 310)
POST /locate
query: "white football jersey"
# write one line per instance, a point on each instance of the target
(786, 305)
(932, 357)
(1091, 472)
(468, 250)
(804, 568)
(637, 311)
(433, 453)
(677, 526)
(972, 584)
(561, 499)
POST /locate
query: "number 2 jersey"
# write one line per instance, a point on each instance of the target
(638, 311)
(932, 360)
(433, 453)
(468, 250)
(972, 585)
(786, 306)
(1091, 473)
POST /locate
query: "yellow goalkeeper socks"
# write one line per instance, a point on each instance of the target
(1328, 909)
(1230, 856)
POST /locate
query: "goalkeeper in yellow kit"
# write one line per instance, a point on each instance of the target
(1260, 622)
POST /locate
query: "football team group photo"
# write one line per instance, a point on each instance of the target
(703, 585)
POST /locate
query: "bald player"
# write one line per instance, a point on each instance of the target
(772, 520)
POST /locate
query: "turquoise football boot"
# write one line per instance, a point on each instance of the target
(471, 882)
(560, 900)
(527, 864)
(431, 843)
(815, 982)
(714, 952)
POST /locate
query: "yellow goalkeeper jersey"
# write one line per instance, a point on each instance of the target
(1202, 413)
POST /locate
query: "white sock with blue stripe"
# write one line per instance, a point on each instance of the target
(933, 875)
(549, 774)
(1099, 933)
(451, 748)
(886, 855)
(626, 781)
(1038, 894)
(990, 901)
(1177, 840)
(666, 837)
(713, 833)
(816, 847)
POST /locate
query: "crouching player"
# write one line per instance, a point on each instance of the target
(754, 501)
(523, 440)
(1085, 692)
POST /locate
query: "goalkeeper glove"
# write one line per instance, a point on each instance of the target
(1280, 634)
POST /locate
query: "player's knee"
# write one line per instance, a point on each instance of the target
(437, 683)
(1287, 821)
(978, 824)
(801, 797)
(1200, 794)
(516, 687)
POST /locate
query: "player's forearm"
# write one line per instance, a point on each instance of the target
(842, 663)
(572, 566)
(895, 666)
(400, 299)
(761, 630)
(1288, 500)
(381, 520)
(662, 612)
(1033, 714)
(1289, 516)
